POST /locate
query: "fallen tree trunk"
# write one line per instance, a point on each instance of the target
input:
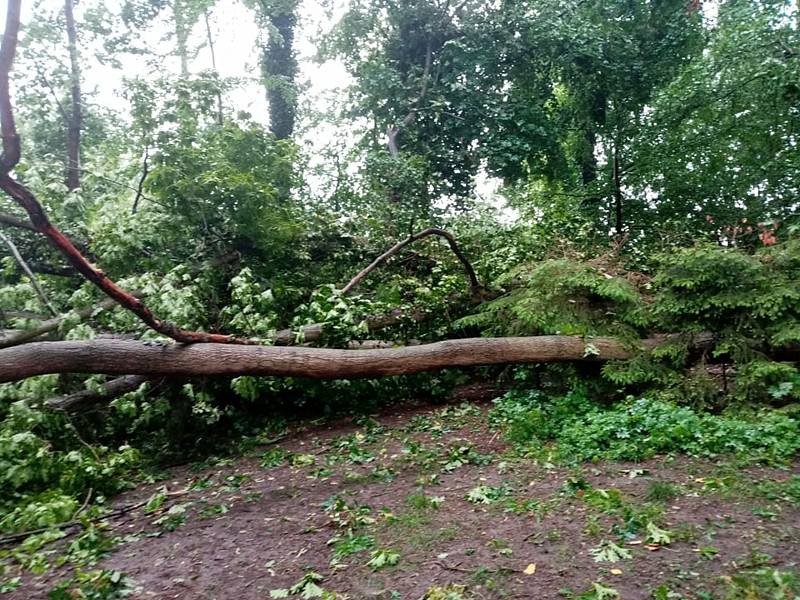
(123, 357)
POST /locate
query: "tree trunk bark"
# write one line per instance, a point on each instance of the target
(279, 68)
(617, 186)
(214, 67)
(122, 357)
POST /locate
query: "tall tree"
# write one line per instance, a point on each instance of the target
(278, 19)
(76, 109)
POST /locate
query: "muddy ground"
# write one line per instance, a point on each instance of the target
(431, 501)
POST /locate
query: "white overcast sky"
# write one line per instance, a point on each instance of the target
(235, 34)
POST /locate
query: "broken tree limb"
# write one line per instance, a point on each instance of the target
(26, 335)
(473, 278)
(110, 390)
(13, 221)
(28, 201)
(31, 276)
(122, 357)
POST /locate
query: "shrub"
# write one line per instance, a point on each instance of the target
(640, 429)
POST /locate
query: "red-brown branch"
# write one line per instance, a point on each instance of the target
(25, 198)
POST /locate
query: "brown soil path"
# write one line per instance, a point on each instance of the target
(437, 493)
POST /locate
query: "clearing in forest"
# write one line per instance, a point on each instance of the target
(432, 503)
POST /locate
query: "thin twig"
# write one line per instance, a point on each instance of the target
(34, 282)
(84, 505)
(145, 169)
(16, 537)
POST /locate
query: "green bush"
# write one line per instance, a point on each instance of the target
(561, 297)
(41, 484)
(640, 429)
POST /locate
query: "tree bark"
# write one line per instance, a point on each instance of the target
(279, 67)
(617, 187)
(122, 357)
(182, 31)
(214, 67)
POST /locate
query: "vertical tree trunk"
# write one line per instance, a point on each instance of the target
(214, 66)
(617, 186)
(181, 36)
(279, 67)
(588, 159)
(187, 119)
(73, 180)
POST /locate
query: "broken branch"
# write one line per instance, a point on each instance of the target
(473, 278)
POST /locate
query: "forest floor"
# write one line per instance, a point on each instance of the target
(430, 500)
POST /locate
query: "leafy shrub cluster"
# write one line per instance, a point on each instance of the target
(41, 484)
(641, 428)
(561, 296)
(747, 304)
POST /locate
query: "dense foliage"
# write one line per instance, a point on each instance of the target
(644, 161)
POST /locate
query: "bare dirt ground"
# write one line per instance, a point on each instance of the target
(430, 503)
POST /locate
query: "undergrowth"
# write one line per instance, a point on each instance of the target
(640, 428)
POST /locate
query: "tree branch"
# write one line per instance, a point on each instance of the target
(110, 390)
(13, 221)
(145, 169)
(474, 285)
(394, 130)
(34, 282)
(53, 324)
(25, 198)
